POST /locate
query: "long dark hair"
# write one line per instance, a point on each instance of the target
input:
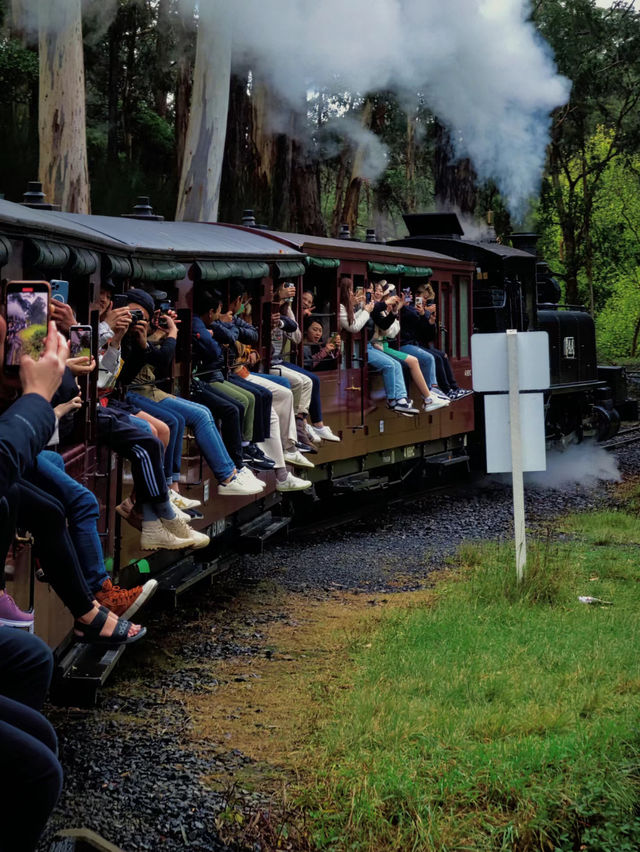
(346, 290)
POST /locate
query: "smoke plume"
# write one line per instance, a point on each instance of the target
(583, 464)
(479, 64)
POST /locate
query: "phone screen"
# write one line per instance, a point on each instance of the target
(80, 341)
(368, 297)
(119, 300)
(27, 318)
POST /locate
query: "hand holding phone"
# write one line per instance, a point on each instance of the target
(43, 376)
(80, 340)
(27, 312)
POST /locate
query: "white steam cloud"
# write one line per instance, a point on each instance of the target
(581, 464)
(479, 64)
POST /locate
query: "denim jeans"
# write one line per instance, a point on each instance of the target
(426, 360)
(82, 511)
(207, 436)
(176, 424)
(394, 384)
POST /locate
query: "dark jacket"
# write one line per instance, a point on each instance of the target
(416, 330)
(207, 351)
(25, 428)
(134, 358)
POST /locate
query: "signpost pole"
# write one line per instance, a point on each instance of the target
(516, 453)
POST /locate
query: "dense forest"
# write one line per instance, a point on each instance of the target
(106, 101)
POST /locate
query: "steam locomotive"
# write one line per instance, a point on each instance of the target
(479, 286)
(514, 288)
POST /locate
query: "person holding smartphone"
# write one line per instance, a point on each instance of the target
(318, 355)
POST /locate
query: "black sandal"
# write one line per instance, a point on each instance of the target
(90, 633)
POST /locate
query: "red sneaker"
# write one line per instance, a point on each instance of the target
(125, 602)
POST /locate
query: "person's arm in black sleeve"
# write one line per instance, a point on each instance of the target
(382, 317)
(161, 356)
(288, 325)
(25, 429)
(247, 333)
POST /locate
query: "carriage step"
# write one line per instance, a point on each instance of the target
(360, 482)
(253, 535)
(81, 671)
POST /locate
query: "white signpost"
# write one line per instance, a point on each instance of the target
(514, 424)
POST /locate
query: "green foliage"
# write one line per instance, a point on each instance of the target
(501, 718)
(18, 71)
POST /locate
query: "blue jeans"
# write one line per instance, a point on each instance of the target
(82, 511)
(394, 385)
(176, 424)
(426, 360)
(204, 427)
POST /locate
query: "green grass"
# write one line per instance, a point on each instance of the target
(498, 719)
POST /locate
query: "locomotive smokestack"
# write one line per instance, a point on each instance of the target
(345, 233)
(248, 219)
(526, 242)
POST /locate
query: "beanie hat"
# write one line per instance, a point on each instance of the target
(141, 297)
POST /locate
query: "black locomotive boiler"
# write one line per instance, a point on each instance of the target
(514, 288)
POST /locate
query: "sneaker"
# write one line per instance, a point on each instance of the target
(293, 483)
(12, 616)
(239, 486)
(404, 408)
(435, 391)
(433, 403)
(156, 537)
(453, 395)
(124, 602)
(296, 458)
(463, 392)
(258, 464)
(189, 537)
(306, 448)
(313, 433)
(183, 502)
(325, 433)
(247, 476)
(180, 515)
(253, 451)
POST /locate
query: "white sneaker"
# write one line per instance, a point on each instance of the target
(434, 403)
(440, 394)
(239, 486)
(293, 483)
(183, 502)
(189, 537)
(249, 476)
(325, 433)
(156, 537)
(312, 432)
(180, 515)
(296, 458)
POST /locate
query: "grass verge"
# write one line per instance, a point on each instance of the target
(499, 717)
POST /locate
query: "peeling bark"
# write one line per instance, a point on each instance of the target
(61, 121)
(199, 191)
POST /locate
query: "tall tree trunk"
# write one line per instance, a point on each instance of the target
(62, 122)
(161, 82)
(455, 181)
(199, 192)
(352, 196)
(410, 164)
(17, 21)
(114, 40)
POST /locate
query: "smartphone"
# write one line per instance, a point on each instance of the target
(60, 290)
(80, 341)
(369, 296)
(418, 300)
(119, 300)
(27, 311)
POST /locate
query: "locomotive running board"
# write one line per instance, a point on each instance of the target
(80, 671)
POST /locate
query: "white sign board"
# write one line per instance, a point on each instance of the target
(498, 432)
(490, 365)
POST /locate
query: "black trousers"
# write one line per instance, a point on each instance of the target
(262, 419)
(140, 447)
(229, 412)
(31, 777)
(444, 373)
(44, 517)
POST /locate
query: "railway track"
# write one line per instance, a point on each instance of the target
(627, 435)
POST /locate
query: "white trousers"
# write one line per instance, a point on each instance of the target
(301, 387)
(282, 433)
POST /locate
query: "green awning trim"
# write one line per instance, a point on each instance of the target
(290, 268)
(47, 255)
(323, 262)
(5, 250)
(417, 271)
(157, 270)
(399, 269)
(116, 266)
(218, 270)
(83, 262)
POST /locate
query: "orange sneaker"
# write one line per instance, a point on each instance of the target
(125, 602)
